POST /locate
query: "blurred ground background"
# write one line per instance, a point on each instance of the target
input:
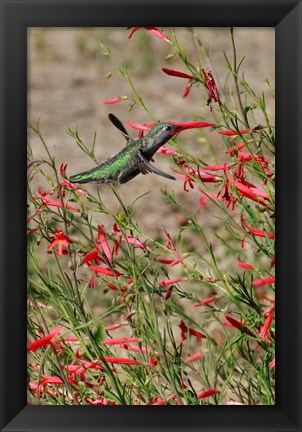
(68, 82)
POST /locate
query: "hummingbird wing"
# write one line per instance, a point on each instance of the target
(146, 167)
(119, 125)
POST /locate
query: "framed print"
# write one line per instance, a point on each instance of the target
(155, 135)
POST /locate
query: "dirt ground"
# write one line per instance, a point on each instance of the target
(68, 82)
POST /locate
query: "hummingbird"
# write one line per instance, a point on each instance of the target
(132, 159)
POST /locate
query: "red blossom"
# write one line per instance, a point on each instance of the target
(152, 30)
(179, 74)
(51, 380)
(272, 364)
(223, 167)
(264, 331)
(232, 322)
(256, 231)
(193, 358)
(104, 271)
(269, 280)
(175, 73)
(233, 133)
(118, 341)
(128, 239)
(113, 327)
(235, 148)
(167, 150)
(102, 242)
(115, 100)
(171, 262)
(185, 330)
(206, 301)
(92, 256)
(100, 401)
(140, 127)
(248, 190)
(43, 341)
(212, 88)
(207, 393)
(53, 203)
(191, 125)
(245, 266)
(121, 360)
(167, 282)
(60, 240)
(169, 293)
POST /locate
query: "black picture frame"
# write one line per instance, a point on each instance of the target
(16, 16)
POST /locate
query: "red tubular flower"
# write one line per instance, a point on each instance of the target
(207, 393)
(167, 150)
(140, 127)
(233, 133)
(115, 100)
(118, 341)
(102, 242)
(121, 360)
(167, 282)
(169, 293)
(53, 203)
(92, 256)
(44, 341)
(245, 266)
(248, 190)
(175, 73)
(212, 88)
(223, 167)
(272, 364)
(179, 74)
(61, 240)
(264, 332)
(193, 358)
(191, 125)
(113, 327)
(104, 271)
(152, 30)
(235, 148)
(185, 330)
(232, 322)
(256, 231)
(206, 301)
(269, 280)
(51, 380)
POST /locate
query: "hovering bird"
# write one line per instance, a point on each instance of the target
(133, 159)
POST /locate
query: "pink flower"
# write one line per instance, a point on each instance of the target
(193, 358)
(167, 282)
(212, 88)
(152, 30)
(206, 301)
(185, 330)
(61, 240)
(53, 203)
(167, 150)
(44, 341)
(115, 100)
(245, 266)
(256, 231)
(233, 133)
(232, 322)
(121, 360)
(118, 341)
(178, 74)
(269, 280)
(207, 393)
